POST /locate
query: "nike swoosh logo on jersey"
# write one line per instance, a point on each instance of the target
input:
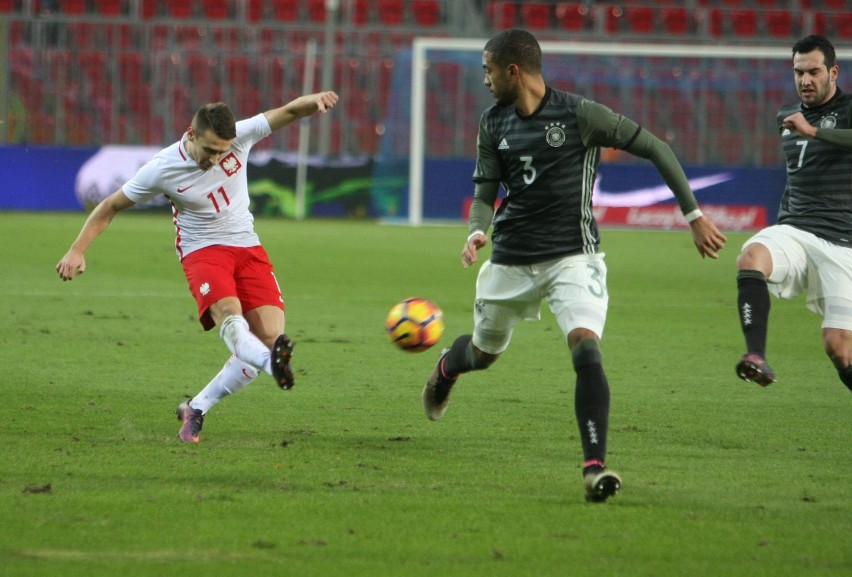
(185, 188)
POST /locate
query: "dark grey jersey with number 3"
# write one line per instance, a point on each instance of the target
(547, 163)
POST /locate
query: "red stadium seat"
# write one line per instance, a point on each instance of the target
(254, 10)
(73, 6)
(536, 16)
(360, 14)
(200, 71)
(149, 8)
(502, 15)
(316, 11)
(781, 24)
(131, 70)
(675, 19)
(426, 12)
(390, 12)
(180, 9)
(572, 17)
(743, 22)
(640, 19)
(843, 25)
(285, 10)
(614, 18)
(216, 9)
(109, 7)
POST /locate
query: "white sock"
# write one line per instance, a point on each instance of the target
(244, 344)
(234, 376)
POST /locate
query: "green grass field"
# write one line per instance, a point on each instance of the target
(344, 476)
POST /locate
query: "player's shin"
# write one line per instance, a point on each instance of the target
(753, 305)
(591, 400)
(234, 376)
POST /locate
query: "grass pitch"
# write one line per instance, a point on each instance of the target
(344, 475)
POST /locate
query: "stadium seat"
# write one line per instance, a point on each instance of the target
(239, 70)
(216, 9)
(536, 16)
(180, 9)
(285, 10)
(316, 11)
(149, 8)
(614, 18)
(839, 25)
(82, 34)
(360, 12)
(93, 65)
(675, 19)
(502, 15)
(255, 10)
(200, 71)
(573, 17)
(640, 19)
(743, 22)
(73, 6)
(109, 7)
(131, 70)
(426, 12)
(390, 12)
(781, 24)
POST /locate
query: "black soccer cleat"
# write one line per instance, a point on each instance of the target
(752, 367)
(436, 393)
(601, 484)
(282, 351)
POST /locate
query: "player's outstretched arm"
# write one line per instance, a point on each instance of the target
(300, 107)
(74, 261)
(708, 239)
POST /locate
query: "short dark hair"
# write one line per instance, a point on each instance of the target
(218, 117)
(817, 42)
(515, 46)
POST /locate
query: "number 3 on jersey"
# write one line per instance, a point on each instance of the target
(529, 169)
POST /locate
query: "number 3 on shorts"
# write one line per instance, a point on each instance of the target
(596, 287)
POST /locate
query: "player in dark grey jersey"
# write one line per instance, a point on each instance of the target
(810, 248)
(543, 146)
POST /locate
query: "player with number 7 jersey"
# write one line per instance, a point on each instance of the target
(229, 273)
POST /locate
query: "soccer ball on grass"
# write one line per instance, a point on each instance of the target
(415, 324)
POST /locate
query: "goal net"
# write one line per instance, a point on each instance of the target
(714, 105)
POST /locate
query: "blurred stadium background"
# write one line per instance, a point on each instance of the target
(92, 73)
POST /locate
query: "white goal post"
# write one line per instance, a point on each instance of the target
(421, 46)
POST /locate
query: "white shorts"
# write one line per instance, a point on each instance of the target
(574, 287)
(801, 262)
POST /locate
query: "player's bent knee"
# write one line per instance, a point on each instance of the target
(838, 347)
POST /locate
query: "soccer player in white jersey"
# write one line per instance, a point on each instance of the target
(229, 273)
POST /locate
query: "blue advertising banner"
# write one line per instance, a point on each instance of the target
(60, 179)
